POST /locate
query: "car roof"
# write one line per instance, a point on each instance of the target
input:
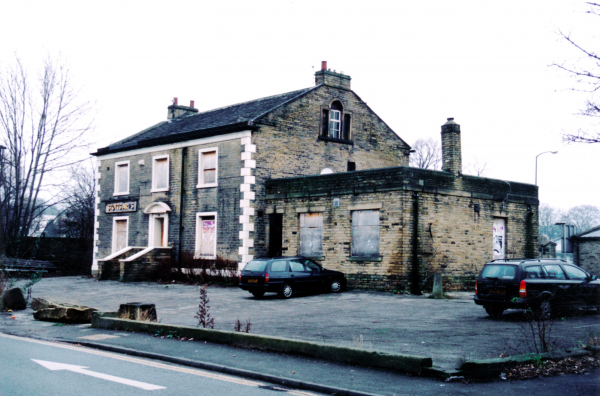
(527, 261)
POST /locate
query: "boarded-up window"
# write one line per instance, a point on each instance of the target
(206, 236)
(346, 127)
(120, 235)
(365, 233)
(160, 176)
(311, 234)
(499, 238)
(208, 167)
(122, 178)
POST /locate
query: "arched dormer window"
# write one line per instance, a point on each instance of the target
(336, 123)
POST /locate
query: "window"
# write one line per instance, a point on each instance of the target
(296, 266)
(498, 272)
(534, 272)
(207, 167)
(335, 124)
(311, 234)
(365, 233)
(160, 173)
(120, 233)
(206, 235)
(351, 166)
(575, 273)
(279, 266)
(122, 178)
(554, 272)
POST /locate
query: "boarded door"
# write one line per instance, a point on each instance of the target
(499, 238)
(365, 233)
(207, 237)
(159, 231)
(121, 235)
(311, 234)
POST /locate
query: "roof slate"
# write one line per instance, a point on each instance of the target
(210, 121)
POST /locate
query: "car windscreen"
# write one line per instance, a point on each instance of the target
(256, 265)
(498, 271)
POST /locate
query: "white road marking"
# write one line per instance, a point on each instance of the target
(192, 371)
(54, 366)
(98, 337)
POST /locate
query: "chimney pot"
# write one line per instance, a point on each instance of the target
(191, 103)
(323, 65)
(451, 119)
(174, 101)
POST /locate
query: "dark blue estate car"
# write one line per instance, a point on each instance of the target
(288, 275)
(544, 285)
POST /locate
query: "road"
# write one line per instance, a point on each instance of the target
(34, 367)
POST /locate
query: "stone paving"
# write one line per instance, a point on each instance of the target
(447, 330)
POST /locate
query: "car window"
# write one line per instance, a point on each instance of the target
(498, 271)
(256, 265)
(534, 272)
(310, 266)
(296, 266)
(574, 273)
(279, 266)
(554, 271)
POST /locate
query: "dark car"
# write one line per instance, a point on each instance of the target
(543, 285)
(288, 275)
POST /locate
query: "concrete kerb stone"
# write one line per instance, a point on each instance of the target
(493, 367)
(394, 362)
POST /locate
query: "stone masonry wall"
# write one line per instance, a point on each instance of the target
(454, 226)
(587, 254)
(288, 145)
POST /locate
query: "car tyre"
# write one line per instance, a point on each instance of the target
(258, 293)
(544, 310)
(494, 312)
(286, 291)
(336, 286)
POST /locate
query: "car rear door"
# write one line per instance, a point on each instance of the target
(582, 289)
(557, 283)
(299, 276)
(315, 278)
(278, 272)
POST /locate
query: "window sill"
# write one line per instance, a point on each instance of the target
(120, 193)
(330, 139)
(365, 258)
(155, 190)
(207, 185)
(205, 257)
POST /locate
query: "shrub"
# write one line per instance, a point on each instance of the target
(197, 270)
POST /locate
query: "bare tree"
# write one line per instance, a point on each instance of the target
(587, 76)
(548, 217)
(427, 154)
(41, 124)
(77, 219)
(476, 168)
(583, 217)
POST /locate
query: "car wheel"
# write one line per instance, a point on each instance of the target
(544, 310)
(494, 312)
(286, 291)
(335, 286)
(258, 293)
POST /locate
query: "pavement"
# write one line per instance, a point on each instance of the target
(448, 330)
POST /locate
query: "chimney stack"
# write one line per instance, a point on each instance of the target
(331, 78)
(451, 152)
(176, 110)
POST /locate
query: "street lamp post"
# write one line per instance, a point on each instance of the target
(536, 157)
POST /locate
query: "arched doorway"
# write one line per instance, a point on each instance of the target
(158, 224)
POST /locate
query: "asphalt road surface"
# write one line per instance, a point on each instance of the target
(33, 367)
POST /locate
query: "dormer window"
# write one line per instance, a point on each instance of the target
(336, 123)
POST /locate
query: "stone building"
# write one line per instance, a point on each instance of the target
(313, 172)
(586, 250)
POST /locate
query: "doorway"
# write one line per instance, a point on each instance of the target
(275, 234)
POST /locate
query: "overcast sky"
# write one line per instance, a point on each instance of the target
(485, 63)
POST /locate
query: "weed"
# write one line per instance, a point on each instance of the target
(535, 333)
(592, 340)
(58, 324)
(242, 327)
(359, 342)
(172, 334)
(159, 333)
(203, 315)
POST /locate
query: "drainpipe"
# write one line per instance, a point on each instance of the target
(415, 279)
(181, 191)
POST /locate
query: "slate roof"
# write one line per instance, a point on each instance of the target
(591, 233)
(237, 117)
